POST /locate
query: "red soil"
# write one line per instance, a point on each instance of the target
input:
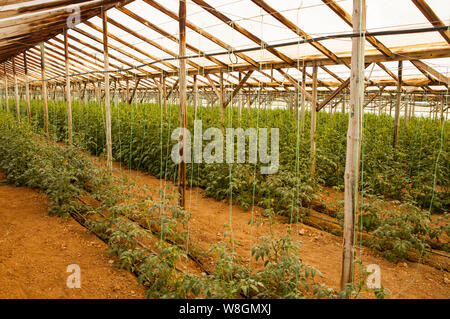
(319, 249)
(36, 249)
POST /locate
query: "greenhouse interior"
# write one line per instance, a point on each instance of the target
(224, 149)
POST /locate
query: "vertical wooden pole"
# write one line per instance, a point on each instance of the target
(44, 89)
(114, 93)
(16, 89)
(107, 97)
(405, 119)
(163, 95)
(248, 102)
(27, 89)
(302, 112)
(351, 175)
(313, 120)
(183, 97)
(127, 93)
(195, 96)
(240, 100)
(297, 95)
(397, 105)
(6, 88)
(68, 97)
(222, 110)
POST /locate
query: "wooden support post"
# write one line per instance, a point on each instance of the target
(115, 93)
(107, 97)
(195, 102)
(354, 133)
(297, 95)
(6, 87)
(236, 89)
(68, 97)
(221, 93)
(313, 120)
(397, 105)
(405, 119)
(302, 111)
(55, 87)
(164, 98)
(27, 89)
(16, 89)
(183, 107)
(127, 93)
(44, 89)
(83, 93)
(240, 100)
(134, 91)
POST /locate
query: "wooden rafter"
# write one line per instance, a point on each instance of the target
(432, 17)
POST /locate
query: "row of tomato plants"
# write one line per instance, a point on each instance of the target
(417, 171)
(70, 178)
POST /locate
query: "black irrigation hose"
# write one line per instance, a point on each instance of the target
(264, 46)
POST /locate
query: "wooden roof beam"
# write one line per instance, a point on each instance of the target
(241, 30)
(425, 68)
(236, 90)
(147, 40)
(432, 17)
(166, 34)
(348, 19)
(204, 33)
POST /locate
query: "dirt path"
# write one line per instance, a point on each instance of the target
(36, 249)
(320, 249)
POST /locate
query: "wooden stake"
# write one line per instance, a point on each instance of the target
(16, 89)
(164, 97)
(354, 132)
(397, 105)
(27, 89)
(68, 97)
(313, 120)
(302, 112)
(107, 98)
(127, 93)
(222, 110)
(44, 89)
(183, 97)
(6, 87)
(195, 96)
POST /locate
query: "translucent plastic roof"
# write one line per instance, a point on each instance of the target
(141, 32)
